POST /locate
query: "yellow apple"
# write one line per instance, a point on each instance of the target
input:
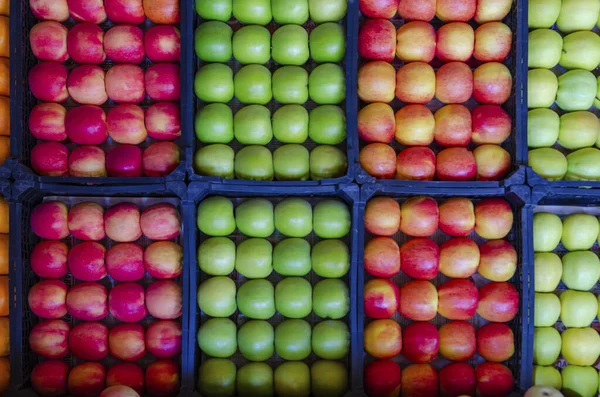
(547, 271)
(547, 230)
(581, 269)
(580, 50)
(542, 86)
(543, 13)
(549, 163)
(580, 346)
(543, 126)
(547, 377)
(546, 310)
(577, 15)
(546, 345)
(583, 165)
(580, 381)
(545, 48)
(578, 309)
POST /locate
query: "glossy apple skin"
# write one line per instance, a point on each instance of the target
(49, 339)
(453, 126)
(418, 300)
(493, 218)
(86, 261)
(459, 257)
(87, 161)
(492, 10)
(162, 377)
(125, 83)
(493, 162)
(127, 342)
(454, 83)
(498, 302)
(49, 41)
(383, 338)
(50, 159)
(122, 222)
(385, 9)
(498, 260)
(86, 43)
(124, 161)
(86, 125)
(125, 43)
(416, 163)
(47, 122)
(420, 216)
(457, 217)
(125, 262)
(126, 302)
(164, 260)
(416, 42)
(125, 11)
(163, 121)
(420, 380)
(47, 299)
(382, 216)
(49, 259)
(493, 42)
(494, 380)
(86, 221)
(86, 85)
(457, 379)
(162, 82)
(456, 10)
(457, 341)
(377, 40)
(48, 82)
(382, 257)
(376, 123)
(128, 374)
(160, 159)
(164, 299)
(458, 299)
(415, 83)
(491, 124)
(126, 124)
(89, 341)
(383, 378)
(417, 10)
(119, 391)
(378, 160)
(160, 222)
(87, 379)
(163, 339)
(163, 43)
(92, 11)
(455, 42)
(415, 125)
(421, 342)
(50, 10)
(49, 220)
(381, 298)
(495, 342)
(87, 301)
(50, 378)
(456, 164)
(492, 83)
(420, 258)
(376, 82)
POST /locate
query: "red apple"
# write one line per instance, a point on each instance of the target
(383, 378)
(495, 342)
(49, 220)
(86, 221)
(376, 123)
(417, 10)
(455, 42)
(50, 10)
(86, 43)
(415, 83)
(127, 342)
(420, 216)
(47, 299)
(124, 161)
(459, 258)
(420, 380)
(86, 261)
(452, 126)
(87, 379)
(457, 341)
(456, 164)
(122, 222)
(376, 82)
(125, 11)
(377, 40)
(382, 257)
(457, 379)
(49, 41)
(125, 43)
(163, 339)
(164, 299)
(124, 262)
(419, 258)
(498, 302)
(162, 12)
(385, 9)
(414, 125)
(86, 85)
(457, 299)
(49, 259)
(125, 84)
(87, 10)
(381, 298)
(87, 301)
(47, 122)
(162, 378)
(382, 216)
(493, 162)
(494, 380)
(457, 216)
(49, 378)
(493, 42)
(87, 161)
(89, 341)
(163, 44)
(126, 302)
(119, 391)
(86, 125)
(163, 82)
(160, 222)
(416, 163)
(455, 10)
(454, 83)
(160, 159)
(416, 42)
(48, 82)
(498, 260)
(492, 10)
(378, 160)
(418, 300)
(164, 260)
(493, 218)
(383, 338)
(491, 124)
(421, 342)
(126, 124)
(163, 121)
(127, 374)
(492, 83)
(50, 159)
(49, 339)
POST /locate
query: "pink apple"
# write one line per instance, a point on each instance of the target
(378, 160)
(381, 298)
(493, 42)
(452, 126)
(86, 125)
(87, 301)
(50, 159)
(457, 299)
(416, 42)
(161, 222)
(382, 216)
(49, 220)
(47, 299)
(417, 10)
(49, 339)
(492, 83)
(125, 84)
(418, 300)
(459, 257)
(160, 159)
(127, 342)
(162, 377)
(385, 9)
(87, 10)
(421, 342)
(124, 161)
(126, 302)
(377, 40)
(49, 259)
(163, 339)
(50, 10)
(420, 216)
(49, 41)
(125, 11)
(419, 258)
(49, 378)
(125, 43)
(127, 374)
(416, 163)
(86, 261)
(164, 299)
(126, 124)
(457, 216)
(456, 164)
(47, 122)
(162, 44)
(48, 82)
(122, 222)
(89, 341)
(382, 257)
(457, 379)
(163, 82)
(494, 380)
(454, 83)
(87, 379)
(495, 342)
(164, 260)
(491, 124)
(163, 121)
(86, 43)
(455, 10)
(87, 161)
(86, 85)
(125, 262)
(455, 42)
(86, 221)
(498, 302)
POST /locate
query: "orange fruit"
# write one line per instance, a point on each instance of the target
(3, 215)
(4, 77)
(4, 10)
(3, 297)
(3, 254)
(4, 148)
(4, 337)
(163, 12)
(4, 115)
(4, 40)
(4, 374)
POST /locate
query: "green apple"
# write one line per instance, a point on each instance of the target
(327, 84)
(583, 165)
(546, 345)
(580, 346)
(290, 11)
(545, 48)
(542, 85)
(217, 337)
(292, 379)
(328, 43)
(214, 123)
(217, 10)
(291, 257)
(543, 13)
(252, 12)
(216, 256)
(543, 126)
(290, 85)
(290, 124)
(331, 339)
(576, 90)
(331, 219)
(254, 258)
(597, 99)
(254, 217)
(293, 217)
(290, 45)
(327, 125)
(547, 376)
(581, 270)
(547, 309)
(547, 231)
(255, 379)
(292, 339)
(327, 11)
(327, 162)
(579, 381)
(330, 258)
(577, 15)
(581, 50)
(328, 379)
(216, 377)
(578, 309)
(212, 42)
(214, 83)
(256, 340)
(252, 125)
(215, 160)
(252, 44)
(549, 163)
(254, 163)
(331, 299)
(256, 299)
(293, 297)
(253, 85)
(216, 296)
(547, 271)
(291, 163)
(579, 232)
(215, 216)
(578, 130)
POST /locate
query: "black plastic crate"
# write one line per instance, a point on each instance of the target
(350, 23)
(24, 198)
(22, 101)
(515, 20)
(199, 191)
(522, 325)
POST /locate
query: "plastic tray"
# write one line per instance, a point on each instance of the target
(518, 197)
(199, 191)
(348, 146)
(25, 197)
(516, 19)
(22, 101)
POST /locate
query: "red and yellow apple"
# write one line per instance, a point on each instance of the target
(47, 122)
(378, 160)
(86, 222)
(86, 261)
(160, 222)
(415, 125)
(86, 43)
(49, 259)
(125, 11)
(164, 259)
(377, 40)
(383, 338)
(421, 342)
(454, 83)
(127, 342)
(420, 258)
(126, 302)
(415, 83)
(457, 299)
(459, 257)
(493, 218)
(376, 82)
(420, 216)
(160, 158)
(418, 300)
(493, 42)
(50, 159)
(162, 376)
(86, 85)
(417, 10)
(164, 299)
(122, 222)
(126, 124)
(493, 162)
(125, 43)
(49, 220)
(127, 374)
(494, 380)
(457, 379)
(385, 9)
(381, 298)
(163, 43)
(163, 121)
(455, 10)
(49, 378)
(125, 262)
(457, 217)
(87, 301)
(92, 11)
(89, 341)
(125, 83)
(48, 82)
(420, 380)
(498, 302)
(47, 299)
(87, 161)
(495, 342)
(416, 42)
(456, 164)
(376, 123)
(382, 216)
(50, 10)
(163, 82)
(492, 83)
(163, 339)
(457, 341)
(383, 378)
(498, 260)
(452, 126)
(416, 163)
(49, 339)
(124, 161)
(455, 42)
(491, 124)
(87, 379)
(48, 41)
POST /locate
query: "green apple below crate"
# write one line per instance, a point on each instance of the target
(253, 85)
(254, 258)
(291, 257)
(215, 216)
(216, 296)
(256, 299)
(331, 219)
(293, 217)
(215, 160)
(252, 125)
(212, 42)
(254, 163)
(214, 83)
(290, 11)
(217, 338)
(252, 12)
(217, 377)
(254, 217)
(327, 125)
(256, 340)
(292, 339)
(292, 378)
(327, 162)
(252, 44)
(327, 43)
(331, 299)
(290, 85)
(214, 124)
(291, 163)
(293, 297)
(216, 256)
(290, 124)
(290, 45)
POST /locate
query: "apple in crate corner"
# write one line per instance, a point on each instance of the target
(125, 124)
(493, 162)
(87, 379)
(455, 42)
(126, 302)
(162, 44)
(125, 83)
(493, 379)
(125, 43)
(160, 222)
(457, 216)
(160, 159)
(49, 259)
(457, 340)
(419, 258)
(419, 300)
(493, 218)
(164, 299)
(383, 338)
(162, 377)
(459, 258)
(49, 339)
(498, 302)
(119, 391)
(493, 42)
(49, 220)
(86, 125)
(376, 82)
(122, 222)
(48, 82)
(127, 374)
(416, 42)
(382, 216)
(454, 83)
(127, 342)
(125, 11)
(124, 262)
(86, 221)
(163, 121)
(92, 11)
(455, 10)
(89, 341)
(86, 261)
(86, 43)
(47, 122)
(87, 301)
(50, 377)
(86, 85)
(457, 299)
(416, 163)
(491, 124)
(162, 82)
(415, 83)
(382, 378)
(456, 164)
(50, 10)
(420, 216)
(163, 339)
(420, 380)
(49, 41)
(457, 379)
(492, 83)
(378, 160)
(124, 161)
(377, 40)
(376, 123)
(381, 298)
(421, 342)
